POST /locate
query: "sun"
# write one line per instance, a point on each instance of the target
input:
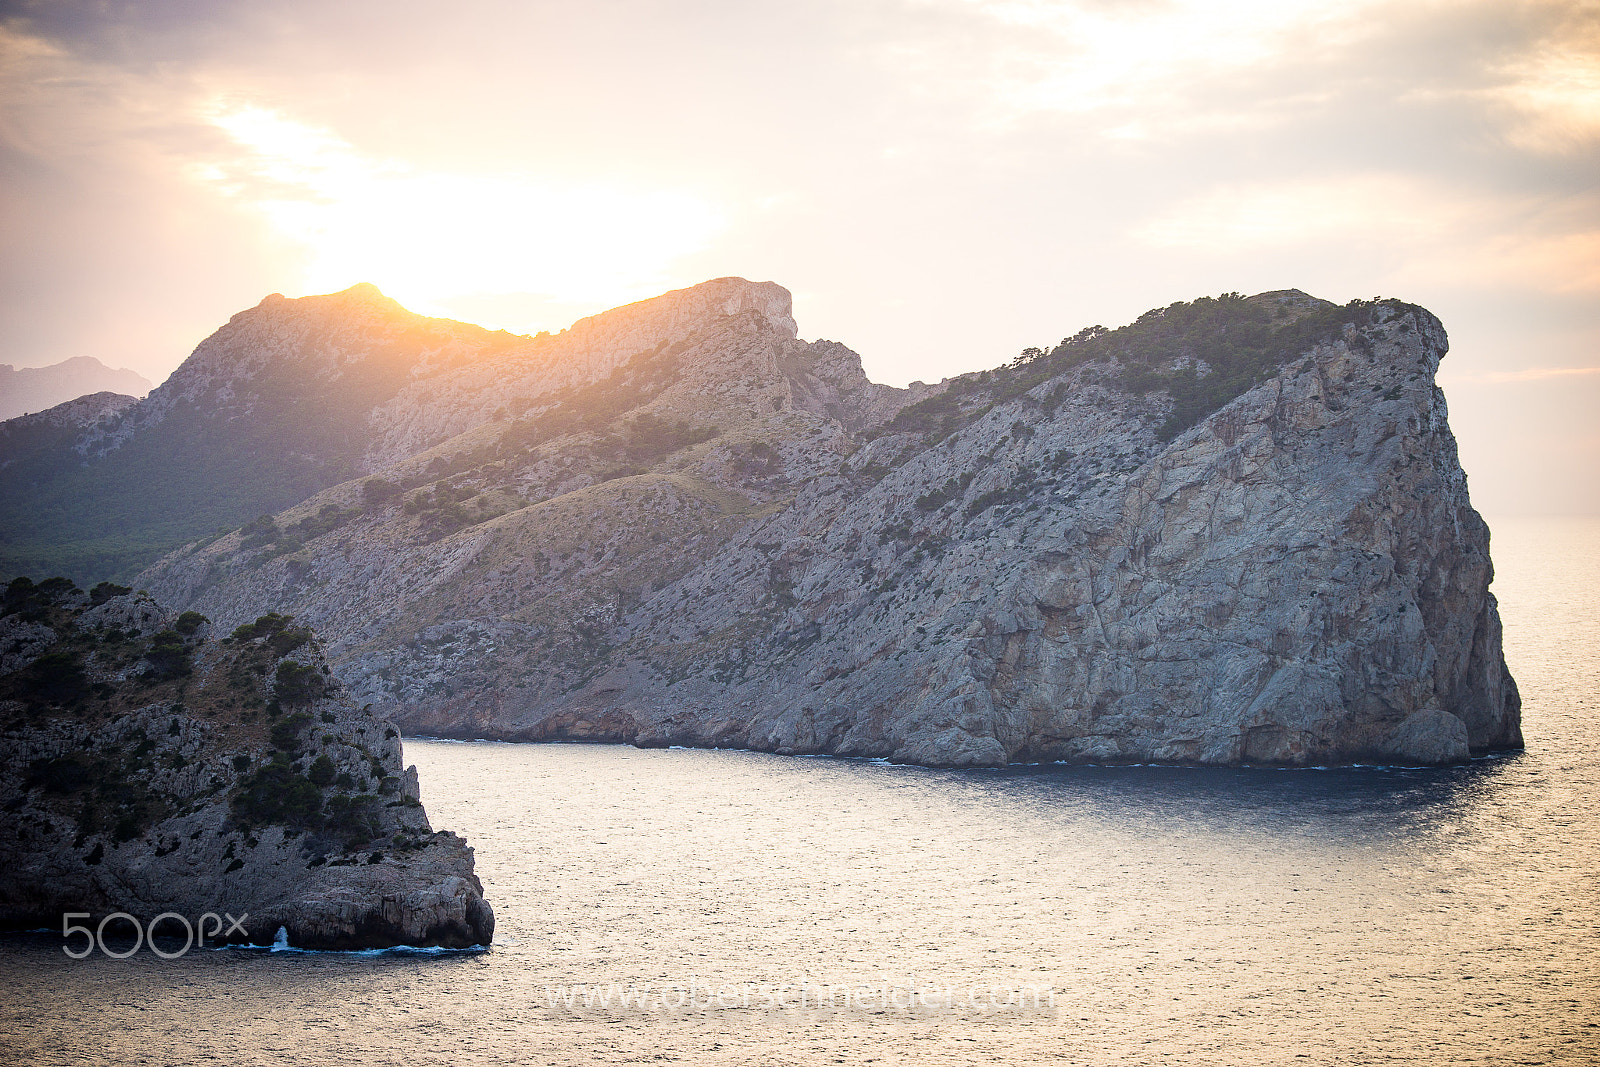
(431, 237)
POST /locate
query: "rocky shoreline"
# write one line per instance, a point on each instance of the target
(1234, 531)
(149, 766)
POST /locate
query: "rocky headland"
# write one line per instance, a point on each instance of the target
(1234, 531)
(149, 764)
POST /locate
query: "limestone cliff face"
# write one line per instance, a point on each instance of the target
(1233, 532)
(147, 766)
(529, 536)
(458, 395)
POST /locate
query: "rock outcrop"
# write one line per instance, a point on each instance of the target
(1235, 531)
(147, 766)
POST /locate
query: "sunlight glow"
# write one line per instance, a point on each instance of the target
(1532, 374)
(1437, 233)
(1083, 58)
(1558, 93)
(426, 237)
(1267, 216)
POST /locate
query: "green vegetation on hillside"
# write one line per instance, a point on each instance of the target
(104, 792)
(249, 694)
(604, 409)
(262, 532)
(211, 465)
(190, 476)
(281, 435)
(1239, 341)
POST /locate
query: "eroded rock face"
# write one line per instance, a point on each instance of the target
(170, 770)
(1234, 532)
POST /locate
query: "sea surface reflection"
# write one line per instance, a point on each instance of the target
(1178, 915)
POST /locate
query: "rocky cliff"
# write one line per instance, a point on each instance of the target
(1233, 531)
(294, 396)
(148, 766)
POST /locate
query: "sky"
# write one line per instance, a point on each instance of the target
(940, 183)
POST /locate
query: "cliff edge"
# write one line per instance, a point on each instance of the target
(1233, 531)
(147, 766)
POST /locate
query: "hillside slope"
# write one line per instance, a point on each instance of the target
(287, 399)
(1233, 531)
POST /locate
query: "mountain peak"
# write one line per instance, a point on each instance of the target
(40, 388)
(771, 300)
(359, 294)
(362, 291)
(1293, 301)
(717, 298)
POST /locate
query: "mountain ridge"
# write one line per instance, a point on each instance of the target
(1232, 531)
(295, 395)
(32, 390)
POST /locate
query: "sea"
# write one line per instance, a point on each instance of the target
(724, 907)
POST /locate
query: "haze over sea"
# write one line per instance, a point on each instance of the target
(1357, 915)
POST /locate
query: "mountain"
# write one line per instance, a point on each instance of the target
(1233, 531)
(289, 398)
(39, 388)
(149, 766)
(269, 409)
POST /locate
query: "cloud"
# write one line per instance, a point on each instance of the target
(941, 182)
(1426, 229)
(1532, 374)
(1146, 58)
(1249, 217)
(1158, 68)
(106, 251)
(1554, 88)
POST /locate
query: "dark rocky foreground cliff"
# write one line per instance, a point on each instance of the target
(1233, 531)
(148, 766)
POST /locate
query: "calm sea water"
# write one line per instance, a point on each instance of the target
(1178, 916)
